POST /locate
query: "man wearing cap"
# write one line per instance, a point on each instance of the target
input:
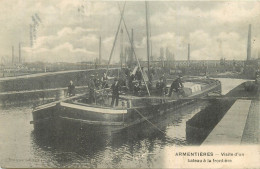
(160, 86)
(115, 92)
(176, 85)
(91, 88)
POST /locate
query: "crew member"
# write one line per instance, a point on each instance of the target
(71, 89)
(104, 81)
(164, 80)
(257, 76)
(160, 86)
(130, 82)
(115, 92)
(138, 75)
(137, 88)
(176, 85)
(91, 89)
(96, 81)
(127, 71)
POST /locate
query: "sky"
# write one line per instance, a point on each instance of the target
(69, 31)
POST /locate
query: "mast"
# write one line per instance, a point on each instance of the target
(147, 37)
(112, 50)
(128, 35)
(132, 48)
(249, 43)
(121, 48)
(151, 43)
(126, 55)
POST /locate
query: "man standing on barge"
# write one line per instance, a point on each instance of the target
(115, 92)
(71, 89)
(91, 88)
(176, 85)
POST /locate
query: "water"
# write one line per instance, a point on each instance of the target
(142, 146)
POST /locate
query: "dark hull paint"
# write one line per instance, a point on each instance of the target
(57, 117)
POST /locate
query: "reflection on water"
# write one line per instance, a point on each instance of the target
(140, 146)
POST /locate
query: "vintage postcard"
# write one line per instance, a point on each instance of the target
(129, 84)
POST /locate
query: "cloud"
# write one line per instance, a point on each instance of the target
(228, 45)
(226, 12)
(62, 53)
(71, 29)
(66, 42)
(230, 12)
(200, 38)
(78, 30)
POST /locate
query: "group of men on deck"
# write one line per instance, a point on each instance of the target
(95, 83)
(133, 84)
(176, 86)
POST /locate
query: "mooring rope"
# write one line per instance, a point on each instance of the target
(149, 121)
(155, 126)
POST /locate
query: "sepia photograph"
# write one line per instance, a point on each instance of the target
(129, 84)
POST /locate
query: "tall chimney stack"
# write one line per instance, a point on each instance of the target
(249, 43)
(188, 52)
(12, 54)
(99, 50)
(20, 56)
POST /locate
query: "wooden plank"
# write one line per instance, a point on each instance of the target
(230, 129)
(103, 110)
(106, 123)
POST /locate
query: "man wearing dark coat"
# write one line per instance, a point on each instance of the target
(176, 85)
(91, 88)
(104, 81)
(115, 92)
(71, 89)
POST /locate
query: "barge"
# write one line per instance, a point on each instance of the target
(130, 111)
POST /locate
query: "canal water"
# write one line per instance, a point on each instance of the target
(141, 146)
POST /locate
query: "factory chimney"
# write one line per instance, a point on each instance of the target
(99, 60)
(249, 43)
(13, 55)
(188, 52)
(20, 56)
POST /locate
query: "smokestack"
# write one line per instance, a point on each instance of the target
(20, 57)
(249, 43)
(188, 52)
(151, 58)
(12, 54)
(100, 50)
